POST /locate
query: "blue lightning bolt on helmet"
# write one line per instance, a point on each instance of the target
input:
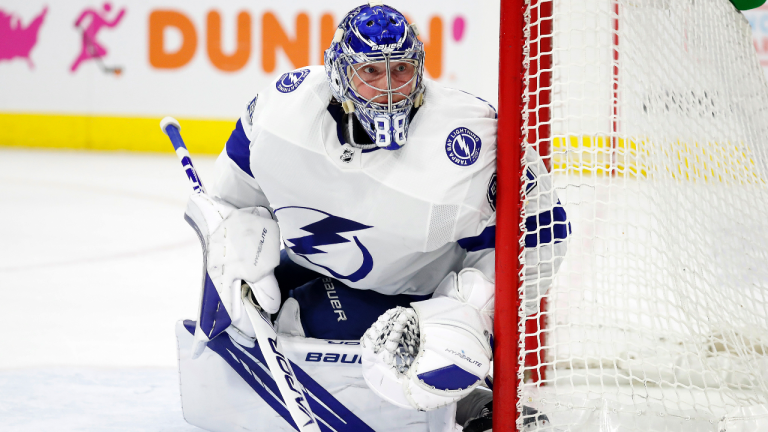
(375, 52)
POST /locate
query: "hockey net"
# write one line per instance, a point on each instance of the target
(652, 118)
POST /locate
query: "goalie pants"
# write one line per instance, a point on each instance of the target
(328, 308)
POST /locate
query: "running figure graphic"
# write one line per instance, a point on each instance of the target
(92, 49)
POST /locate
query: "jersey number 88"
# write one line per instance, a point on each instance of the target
(385, 130)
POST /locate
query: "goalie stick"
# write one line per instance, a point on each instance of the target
(294, 396)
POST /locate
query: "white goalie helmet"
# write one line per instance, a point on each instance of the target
(375, 67)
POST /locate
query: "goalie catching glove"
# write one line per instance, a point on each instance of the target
(437, 352)
(238, 245)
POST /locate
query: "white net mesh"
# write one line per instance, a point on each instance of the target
(657, 319)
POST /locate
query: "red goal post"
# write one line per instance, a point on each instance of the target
(508, 209)
(509, 235)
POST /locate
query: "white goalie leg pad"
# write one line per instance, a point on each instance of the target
(437, 352)
(216, 397)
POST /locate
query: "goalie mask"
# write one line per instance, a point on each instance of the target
(375, 66)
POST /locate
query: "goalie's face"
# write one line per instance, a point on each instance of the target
(375, 68)
(377, 81)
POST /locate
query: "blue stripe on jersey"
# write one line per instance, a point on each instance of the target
(486, 240)
(543, 222)
(239, 149)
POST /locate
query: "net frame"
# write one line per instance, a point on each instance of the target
(525, 79)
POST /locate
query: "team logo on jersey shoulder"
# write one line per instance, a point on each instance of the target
(252, 108)
(291, 80)
(491, 194)
(463, 146)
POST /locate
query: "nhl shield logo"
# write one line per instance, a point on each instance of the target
(347, 156)
(463, 146)
(291, 81)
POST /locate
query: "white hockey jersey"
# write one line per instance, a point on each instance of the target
(395, 222)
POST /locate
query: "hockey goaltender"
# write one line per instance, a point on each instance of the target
(380, 185)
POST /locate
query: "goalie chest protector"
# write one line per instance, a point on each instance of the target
(382, 220)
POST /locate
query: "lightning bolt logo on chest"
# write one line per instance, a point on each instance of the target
(326, 232)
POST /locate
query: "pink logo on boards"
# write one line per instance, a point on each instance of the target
(91, 48)
(17, 41)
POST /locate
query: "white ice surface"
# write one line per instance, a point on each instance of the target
(96, 266)
(91, 399)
